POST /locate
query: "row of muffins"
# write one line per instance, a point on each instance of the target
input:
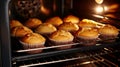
(84, 28)
(49, 27)
(29, 38)
(61, 31)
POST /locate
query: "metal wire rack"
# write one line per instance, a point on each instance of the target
(95, 57)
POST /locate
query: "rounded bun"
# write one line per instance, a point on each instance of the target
(61, 36)
(71, 18)
(33, 23)
(86, 24)
(68, 27)
(109, 30)
(33, 38)
(15, 23)
(20, 31)
(87, 33)
(56, 21)
(87, 36)
(45, 28)
(32, 41)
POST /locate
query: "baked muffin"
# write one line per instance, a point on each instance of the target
(71, 18)
(20, 31)
(108, 33)
(33, 23)
(45, 29)
(56, 21)
(15, 23)
(33, 40)
(87, 36)
(61, 37)
(87, 23)
(71, 27)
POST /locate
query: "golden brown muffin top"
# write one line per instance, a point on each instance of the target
(33, 39)
(90, 23)
(71, 18)
(68, 27)
(61, 36)
(87, 20)
(33, 23)
(86, 24)
(45, 28)
(56, 21)
(15, 23)
(89, 33)
(20, 31)
(109, 30)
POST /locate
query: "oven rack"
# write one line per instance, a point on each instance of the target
(48, 53)
(96, 61)
(49, 47)
(72, 56)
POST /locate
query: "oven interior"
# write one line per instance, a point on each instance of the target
(98, 55)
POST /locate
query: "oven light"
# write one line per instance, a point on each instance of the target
(101, 9)
(99, 1)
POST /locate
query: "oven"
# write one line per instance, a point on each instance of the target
(103, 53)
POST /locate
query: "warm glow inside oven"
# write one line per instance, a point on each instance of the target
(97, 12)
